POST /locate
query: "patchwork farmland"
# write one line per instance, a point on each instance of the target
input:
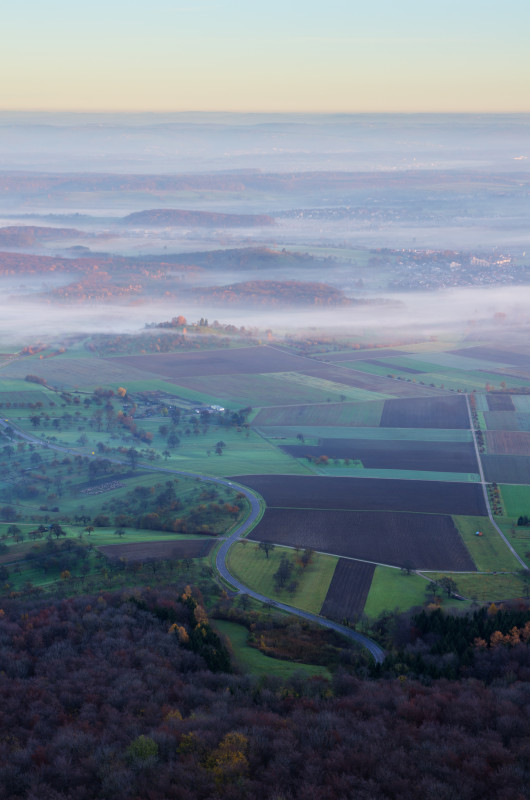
(236, 361)
(372, 383)
(340, 404)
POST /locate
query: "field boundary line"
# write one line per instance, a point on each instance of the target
(485, 491)
(335, 555)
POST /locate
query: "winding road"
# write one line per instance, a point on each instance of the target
(244, 527)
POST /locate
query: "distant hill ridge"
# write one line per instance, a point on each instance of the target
(275, 293)
(161, 217)
(29, 235)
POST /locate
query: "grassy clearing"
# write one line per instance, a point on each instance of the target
(243, 455)
(98, 536)
(252, 568)
(249, 659)
(392, 589)
(486, 588)
(516, 500)
(488, 551)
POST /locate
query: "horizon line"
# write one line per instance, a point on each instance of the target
(261, 111)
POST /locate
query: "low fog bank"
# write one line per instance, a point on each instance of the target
(479, 313)
(68, 142)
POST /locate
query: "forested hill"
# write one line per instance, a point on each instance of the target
(31, 235)
(166, 217)
(274, 293)
(124, 695)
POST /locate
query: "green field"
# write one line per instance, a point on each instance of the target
(487, 588)
(97, 537)
(489, 552)
(516, 500)
(438, 376)
(72, 372)
(522, 402)
(391, 589)
(292, 388)
(518, 536)
(465, 364)
(378, 434)
(397, 474)
(250, 659)
(322, 415)
(242, 455)
(252, 568)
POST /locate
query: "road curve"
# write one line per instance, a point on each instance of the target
(375, 650)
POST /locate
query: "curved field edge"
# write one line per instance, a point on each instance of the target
(252, 567)
(250, 659)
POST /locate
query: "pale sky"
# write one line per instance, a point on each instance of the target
(278, 55)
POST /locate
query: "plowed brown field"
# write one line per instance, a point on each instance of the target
(348, 589)
(433, 412)
(428, 541)
(375, 494)
(140, 551)
(508, 443)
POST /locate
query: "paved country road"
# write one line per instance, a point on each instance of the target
(255, 502)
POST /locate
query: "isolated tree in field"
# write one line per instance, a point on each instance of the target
(407, 567)
(283, 573)
(307, 557)
(173, 440)
(266, 547)
(119, 532)
(132, 455)
(449, 585)
(57, 530)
